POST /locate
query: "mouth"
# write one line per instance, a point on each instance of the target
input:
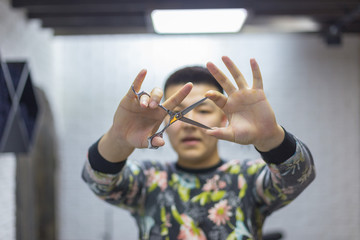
(190, 140)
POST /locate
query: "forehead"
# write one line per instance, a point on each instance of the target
(198, 91)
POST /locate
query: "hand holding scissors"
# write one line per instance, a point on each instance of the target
(174, 116)
(134, 121)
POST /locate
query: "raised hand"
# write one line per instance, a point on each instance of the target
(137, 119)
(251, 118)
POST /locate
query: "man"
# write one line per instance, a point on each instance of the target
(200, 196)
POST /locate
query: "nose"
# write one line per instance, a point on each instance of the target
(191, 116)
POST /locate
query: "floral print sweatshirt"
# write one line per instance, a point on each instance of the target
(228, 201)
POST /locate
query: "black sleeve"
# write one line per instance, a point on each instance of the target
(100, 164)
(281, 153)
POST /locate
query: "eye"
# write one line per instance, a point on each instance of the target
(204, 111)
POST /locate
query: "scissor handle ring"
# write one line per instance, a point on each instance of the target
(150, 146)
(138, 95)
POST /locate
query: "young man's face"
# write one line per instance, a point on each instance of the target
(195, 148)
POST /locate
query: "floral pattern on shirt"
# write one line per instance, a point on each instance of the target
(230, 202)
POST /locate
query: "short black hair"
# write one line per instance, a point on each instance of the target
(194, 74)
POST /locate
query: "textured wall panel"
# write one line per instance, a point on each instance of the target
(23, 41)
(313, 89)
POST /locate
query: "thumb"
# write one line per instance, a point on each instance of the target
(218, 98)
(157, 141)
(221, 133)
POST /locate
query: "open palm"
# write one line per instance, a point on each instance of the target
(251, 118)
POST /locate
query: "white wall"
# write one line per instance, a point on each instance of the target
(21, 40)
(7, 199)
(313, 88)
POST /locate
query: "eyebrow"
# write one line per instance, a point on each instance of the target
(181, 105)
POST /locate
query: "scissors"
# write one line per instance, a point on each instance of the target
(174, 116)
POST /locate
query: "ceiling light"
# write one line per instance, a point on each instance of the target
(198, 20)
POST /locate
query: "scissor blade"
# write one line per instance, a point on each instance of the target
(187, 120)
(188, 109)
(166, 110)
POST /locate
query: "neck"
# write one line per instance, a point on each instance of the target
(200, 163)
(200, 170)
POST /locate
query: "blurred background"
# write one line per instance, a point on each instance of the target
(70, 63)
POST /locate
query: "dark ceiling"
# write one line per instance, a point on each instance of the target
(72, 17)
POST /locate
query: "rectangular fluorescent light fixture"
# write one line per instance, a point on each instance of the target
(187, 21)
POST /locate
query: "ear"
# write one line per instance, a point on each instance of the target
(166, 119)
(224, 120)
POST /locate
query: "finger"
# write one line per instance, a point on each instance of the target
(235, 72)
(221, 78)
(137, 82)
(257, 79)
(218, 98)
(157, 141)
(177, 98)
(221, 133)
(144, 101)
(156, 95)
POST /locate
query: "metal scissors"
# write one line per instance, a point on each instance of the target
(174, 116)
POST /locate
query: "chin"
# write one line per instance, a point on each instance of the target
(192, 155)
